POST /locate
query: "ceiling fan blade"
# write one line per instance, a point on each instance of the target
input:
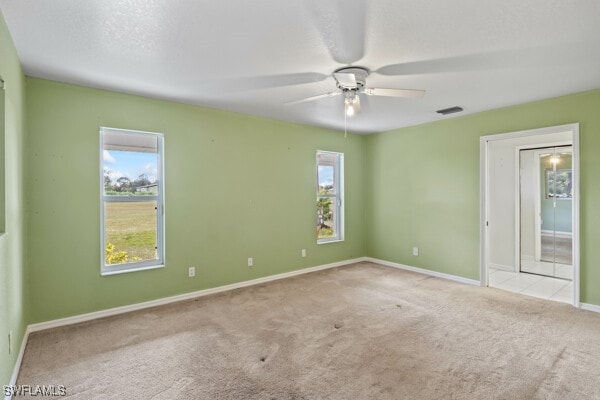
(241, 84)
(342, 27)
(453, 64)
(312, 98)
(405, 93)
(532, 57)
(345, 79)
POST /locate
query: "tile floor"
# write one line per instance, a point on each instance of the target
(546, 268)
(533, 285)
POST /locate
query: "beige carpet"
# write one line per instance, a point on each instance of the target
(356, 332)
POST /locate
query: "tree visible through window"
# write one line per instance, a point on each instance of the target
(132, 220)
(329, 196)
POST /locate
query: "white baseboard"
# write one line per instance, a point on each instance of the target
(186, 296)
(425, 271)
(589, 307)
(502, 267)
(17, 367)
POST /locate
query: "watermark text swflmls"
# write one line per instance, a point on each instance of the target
(35, 390)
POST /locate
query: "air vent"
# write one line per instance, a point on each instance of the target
(450, 110)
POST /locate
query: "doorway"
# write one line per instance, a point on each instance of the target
(529, 212)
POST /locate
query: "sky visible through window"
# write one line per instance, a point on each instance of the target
(325, 175)
(130, 164)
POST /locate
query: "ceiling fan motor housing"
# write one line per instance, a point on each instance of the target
(360, 74)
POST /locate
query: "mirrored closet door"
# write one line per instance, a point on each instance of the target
(546, 206)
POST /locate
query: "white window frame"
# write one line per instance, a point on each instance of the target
(113, 269)
(338, 182)
(2, 158)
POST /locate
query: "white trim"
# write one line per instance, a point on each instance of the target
(530, 132)
(329, 241)
(589, 307)
(423, 271)
(517, 182)
(17, 367)
(126, 271)
(483, 197)
(575, 217)
(483, 213)
(121, 130)
(181, 297)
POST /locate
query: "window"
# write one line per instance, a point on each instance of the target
(330, 195)
(132, 200)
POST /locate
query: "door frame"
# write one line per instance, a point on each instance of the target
(484, 190)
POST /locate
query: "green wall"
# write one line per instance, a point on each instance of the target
(423, 186)
(236, 186)
(12, 262)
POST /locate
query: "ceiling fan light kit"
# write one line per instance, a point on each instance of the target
(351, 82)
(351, 102)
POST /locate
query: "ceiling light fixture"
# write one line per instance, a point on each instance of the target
(351, 106)
(349, 109)
(351, 102)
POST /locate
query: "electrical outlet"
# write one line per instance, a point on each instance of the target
(9, 342)
(303, 252)
(250, 261)
(191, 272)
(415, 251)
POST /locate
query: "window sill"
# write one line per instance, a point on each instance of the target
(134, 269)
(330, 241)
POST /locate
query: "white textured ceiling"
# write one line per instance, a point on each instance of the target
(252, 56)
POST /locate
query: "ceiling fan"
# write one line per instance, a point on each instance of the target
(351, 81)
(343, 29)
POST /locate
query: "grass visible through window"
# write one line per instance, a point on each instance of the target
(130, 231)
